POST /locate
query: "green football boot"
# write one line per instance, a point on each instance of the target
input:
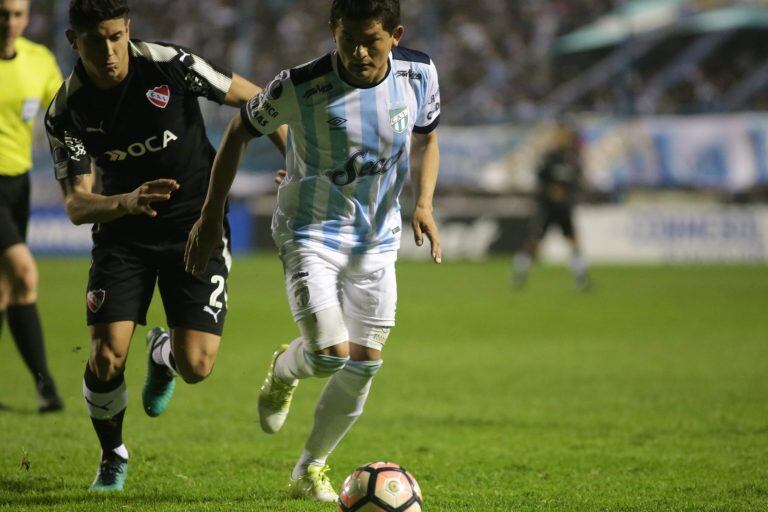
(275, 397)
(111, 475)
(314, 485)
(160, 382)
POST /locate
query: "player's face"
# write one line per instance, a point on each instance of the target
(14, 17)
(104, 51)
(364, 47)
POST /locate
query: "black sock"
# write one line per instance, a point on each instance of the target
(24, 325)
(2, 314)
(110, 430)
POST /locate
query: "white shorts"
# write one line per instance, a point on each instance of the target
(363, 285)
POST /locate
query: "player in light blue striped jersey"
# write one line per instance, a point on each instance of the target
(353, 117)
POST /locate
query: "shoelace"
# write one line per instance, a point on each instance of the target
(109, 470)
(280, 394)
(323, 479)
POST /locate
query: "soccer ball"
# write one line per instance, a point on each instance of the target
(380, 487)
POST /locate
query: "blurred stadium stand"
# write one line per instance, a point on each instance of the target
(670, 97)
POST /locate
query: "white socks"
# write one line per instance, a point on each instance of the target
(121, 451)
(299, 362)
(578, 264)
(162, 354)
(339, 406)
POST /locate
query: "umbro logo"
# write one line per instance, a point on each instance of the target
(337, 122)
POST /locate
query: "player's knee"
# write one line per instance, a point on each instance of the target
(106, 363)
(24, 284)
(197, 368)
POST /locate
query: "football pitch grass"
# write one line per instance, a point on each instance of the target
(648, 393)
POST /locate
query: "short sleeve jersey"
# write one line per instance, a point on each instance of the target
(148, 127)
(348, 149)
(29, 81)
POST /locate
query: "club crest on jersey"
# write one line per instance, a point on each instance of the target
(398, 119)
(95, 299)
(159, 96)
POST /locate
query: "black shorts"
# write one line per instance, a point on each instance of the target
(123, 275)
(552, 213)
(14, 209)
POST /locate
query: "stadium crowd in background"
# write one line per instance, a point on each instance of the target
(497, 57)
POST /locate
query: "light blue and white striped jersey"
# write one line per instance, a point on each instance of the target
(348, 149)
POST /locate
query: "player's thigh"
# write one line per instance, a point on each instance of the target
(366, 340)
(324, 329)
(539, 222)
(18, 264)
(565, 220)
(371, 297)
(312, 279)
(9, 229)
(121, 282)
(197, 303)
(194, 351)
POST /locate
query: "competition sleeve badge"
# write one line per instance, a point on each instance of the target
(95, 299)
(159, 96)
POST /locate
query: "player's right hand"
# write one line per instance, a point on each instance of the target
(280, 176)
(203, 238)
(138, 202)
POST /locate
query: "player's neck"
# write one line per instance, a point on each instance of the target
(8, 50)
(105, 83)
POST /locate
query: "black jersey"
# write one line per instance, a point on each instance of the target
(559, 168)
(148, 127)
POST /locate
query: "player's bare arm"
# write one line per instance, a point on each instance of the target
(238, 95)
(84, 206)
(206, 232)
(427, 151)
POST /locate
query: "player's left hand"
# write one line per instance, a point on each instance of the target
(205, 235)
(423, 223)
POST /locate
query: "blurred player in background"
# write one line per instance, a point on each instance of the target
(130, 109)
(30, 78)
(558, 177)
(353, 115)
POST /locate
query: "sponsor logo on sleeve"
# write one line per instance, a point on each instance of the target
(159, 96)
(260, 110)
(75, 146)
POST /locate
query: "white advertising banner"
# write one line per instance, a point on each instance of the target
(667, 234)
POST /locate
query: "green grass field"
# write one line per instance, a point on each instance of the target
(649, 393)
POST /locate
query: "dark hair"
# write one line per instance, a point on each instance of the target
(86, 14)
(385, 11)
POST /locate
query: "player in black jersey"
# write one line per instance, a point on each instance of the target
(558, 176)
(129, 110)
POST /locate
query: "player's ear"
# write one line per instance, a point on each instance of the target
(128, 28)
(72, 38)
(397, 34)
(332, 27)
